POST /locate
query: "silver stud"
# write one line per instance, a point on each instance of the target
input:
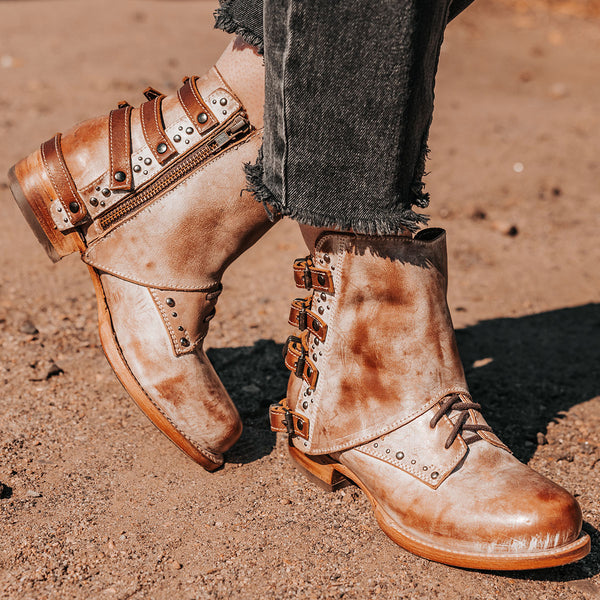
(180, 328)
(97, 189)
(305, 405)
(145, 172)
(147, 161)
(184, 342)
(202, 117)
(177, 138)
(323, 296)
(387, 451)
(102, 203)
(308, 392)
(314, 357)
(140, 158)
(400, 455)
(425, 468)
(106, 192)
(187, 141)
(376, 445)
(189, 130)
(120, 176)
(321, 310)
(59, 209)
(223, 101)
(327, 258)
(412, 462)
(94, 201)
(161, 148)
(170, 302)
(224, 112)
(214, 101)
(435, 475)
(180, 128)
(173, 314)
(66, 220)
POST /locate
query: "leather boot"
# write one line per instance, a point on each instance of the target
(378, 397)
(151, 198)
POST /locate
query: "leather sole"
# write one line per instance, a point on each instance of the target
(33, 196)
(330, 474)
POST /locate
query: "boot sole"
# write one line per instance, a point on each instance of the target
(33, 196)
(331, 475)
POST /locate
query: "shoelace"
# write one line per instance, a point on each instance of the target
(452, 403)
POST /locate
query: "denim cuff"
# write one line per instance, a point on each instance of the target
(243, 18)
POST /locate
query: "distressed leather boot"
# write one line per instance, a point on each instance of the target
(378, 397)
(151, 198)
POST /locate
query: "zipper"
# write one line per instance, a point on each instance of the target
(220, 139)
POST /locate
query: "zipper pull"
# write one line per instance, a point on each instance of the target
(240, 125)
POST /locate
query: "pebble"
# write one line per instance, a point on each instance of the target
(505, 228)
(542, 440)
(28, 328)
(33, 494)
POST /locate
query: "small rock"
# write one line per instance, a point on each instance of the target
(28, 328)
(478, 214)
(250, 390)
(33, 494)
(53, 370)
(3, 491)
(482, 362)
(542, 440)
(174, 565)
(567, 457)
(505, 228)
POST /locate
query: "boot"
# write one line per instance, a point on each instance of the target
(150, 197)
(378, 397)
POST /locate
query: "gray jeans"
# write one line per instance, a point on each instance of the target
(348, 105)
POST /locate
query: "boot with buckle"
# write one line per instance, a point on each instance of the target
(377, 397)
(151, 198)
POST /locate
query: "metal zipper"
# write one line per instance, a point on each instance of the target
(221, 138)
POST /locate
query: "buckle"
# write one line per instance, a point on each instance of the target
(307, 276)
(284, 420)
(296, 359)
(303, 318)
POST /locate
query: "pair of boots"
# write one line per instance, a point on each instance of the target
(151, 199)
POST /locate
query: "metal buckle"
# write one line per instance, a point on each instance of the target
(288, 421)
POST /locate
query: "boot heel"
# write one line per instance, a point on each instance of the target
(319, 469)
(33, 193)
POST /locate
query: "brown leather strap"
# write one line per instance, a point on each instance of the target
(151, 93)
(303, 318)
(119, 138)
(307, 276)
(194, 106)
(287, 421)
(62, 182)
(297, 361)
(154, 130)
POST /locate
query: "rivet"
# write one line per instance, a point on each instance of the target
(137, 168)
(180, 128)
(140, 158)
(323, 296)
(320, 353)
(387, 451)
(161, 148)
(214, 101)
(180, 328)
(376, 445)
(170, 302)
(120, 176)
(189, 130)
(435, 475)
(145, 172)
(147, 161)
(74, 207)
(94, 201)
(400, 455)
(223, 101)
(97, 189)
(425, 468)
(314, 357)
(202, 118)
(187, 141)
(327, 258)
(321, 278)
(317, 341)
(106, 192)
(224, 112)
(305, 405)
(412, 462)
(321, 310)
(102, 203)
(309, 371)
(59, 209)
(184, 342)
(308, 392)
(173, 314)
(177, 138)
(316, 325)
(300, 425)
(66, 220)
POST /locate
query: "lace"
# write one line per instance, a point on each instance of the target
(457, 403)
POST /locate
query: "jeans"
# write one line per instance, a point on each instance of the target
(348, 104)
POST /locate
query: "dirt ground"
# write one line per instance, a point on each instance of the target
(96, 503)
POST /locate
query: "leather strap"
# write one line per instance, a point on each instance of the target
(62, 182)
(119, 137)
(307, 276)
(154, 130)
(284, 420)
(303, 318)
(297, 361)
(151, 93)
(195, 108)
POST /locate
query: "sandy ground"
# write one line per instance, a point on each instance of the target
(96, 503)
